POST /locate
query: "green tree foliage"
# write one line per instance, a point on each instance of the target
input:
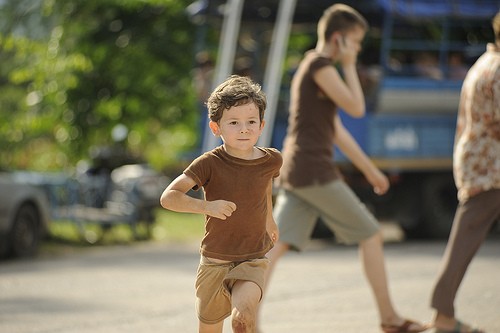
(90, 66)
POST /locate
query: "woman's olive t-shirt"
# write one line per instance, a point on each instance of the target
(308, 147)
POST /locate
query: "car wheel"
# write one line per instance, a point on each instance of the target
(25, 233)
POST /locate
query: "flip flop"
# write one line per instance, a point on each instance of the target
(458, 329)
(403, 328)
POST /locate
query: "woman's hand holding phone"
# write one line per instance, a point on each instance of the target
(347, 53)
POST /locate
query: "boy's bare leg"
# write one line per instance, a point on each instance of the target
(210, 328)
(245, 300)
(274, 255)
(372, 256)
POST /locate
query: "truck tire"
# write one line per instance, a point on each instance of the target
(439, 198)
(407, 207)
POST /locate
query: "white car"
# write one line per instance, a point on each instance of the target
(24, 217)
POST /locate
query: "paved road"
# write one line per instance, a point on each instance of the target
(148, 287)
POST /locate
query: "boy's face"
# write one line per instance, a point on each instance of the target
(239, 128)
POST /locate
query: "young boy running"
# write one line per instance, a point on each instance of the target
(239, 227)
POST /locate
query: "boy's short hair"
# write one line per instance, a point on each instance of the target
(235, 91)
(339, 17)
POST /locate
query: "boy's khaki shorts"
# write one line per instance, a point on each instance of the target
(214, 283)
(297, 211)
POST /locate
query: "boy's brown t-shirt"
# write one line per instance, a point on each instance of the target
(308, 147)
(243, 235)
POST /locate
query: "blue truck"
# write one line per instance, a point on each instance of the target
(412, 66)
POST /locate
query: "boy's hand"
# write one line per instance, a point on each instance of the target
(272, 230)
(220, 209)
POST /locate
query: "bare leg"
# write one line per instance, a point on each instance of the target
(372, 255)
(274, 255)
(245, 299)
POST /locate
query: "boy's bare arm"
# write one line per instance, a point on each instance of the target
(346, 143)
(174, 198)
(271, 227)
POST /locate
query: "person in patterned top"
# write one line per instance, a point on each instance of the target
(476, 167)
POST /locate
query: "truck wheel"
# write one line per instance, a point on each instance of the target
(407, 205)
(439, 203)
(25, 235)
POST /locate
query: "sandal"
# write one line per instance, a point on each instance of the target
(458, 329)
(404, 327)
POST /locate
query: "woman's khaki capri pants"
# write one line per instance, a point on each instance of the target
(296, 212)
